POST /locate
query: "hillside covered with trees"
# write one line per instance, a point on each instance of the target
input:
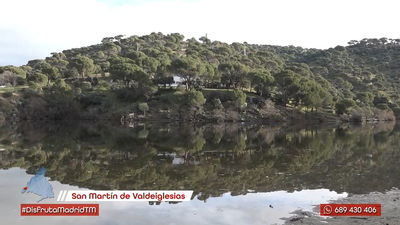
(165, 77)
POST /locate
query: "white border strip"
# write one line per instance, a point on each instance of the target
(59, 195)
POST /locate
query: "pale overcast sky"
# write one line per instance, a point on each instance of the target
(34, 28)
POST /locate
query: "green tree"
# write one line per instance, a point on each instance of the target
(39, 78)
(261, 80)
(233, 74)
(188, 103)
(61, 86)
(288, 83)
(189, 69)
(311, 94)
(194, 102)
(205, 40)
(366, 98)
(59, 61)
(148, 64)
(125, 70)
(83, 64)
(344, 105)
(210, 74)
(144, 107)
(15, 70)
(50, 71)
(239, 98)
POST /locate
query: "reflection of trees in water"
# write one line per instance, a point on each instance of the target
(210, 159)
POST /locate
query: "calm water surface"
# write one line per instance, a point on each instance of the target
(240, 174)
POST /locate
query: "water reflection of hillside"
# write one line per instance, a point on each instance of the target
(210, 159)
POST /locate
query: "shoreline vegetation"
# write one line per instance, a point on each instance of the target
(159, 77)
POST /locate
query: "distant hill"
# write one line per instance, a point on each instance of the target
(360, 81)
